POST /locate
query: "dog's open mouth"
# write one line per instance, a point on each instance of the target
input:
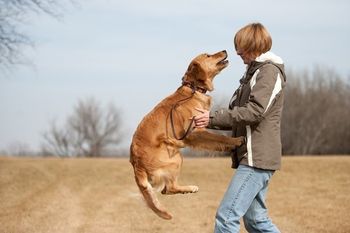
(223, 61)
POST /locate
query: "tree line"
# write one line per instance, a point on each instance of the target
(316, 113)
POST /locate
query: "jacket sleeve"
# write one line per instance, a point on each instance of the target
(265, 85)
(232, 103)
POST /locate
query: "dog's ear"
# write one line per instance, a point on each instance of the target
(195, 72)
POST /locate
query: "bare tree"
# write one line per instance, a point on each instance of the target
(13, 14)
(90, 131)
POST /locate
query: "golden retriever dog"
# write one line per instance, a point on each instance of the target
(155, 148)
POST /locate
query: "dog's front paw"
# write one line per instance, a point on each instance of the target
(240, 141)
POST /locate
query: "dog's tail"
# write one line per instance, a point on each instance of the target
(149, 194)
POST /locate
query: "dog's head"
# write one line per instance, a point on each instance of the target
(204, 68)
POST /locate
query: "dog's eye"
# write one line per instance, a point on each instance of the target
(208, 55)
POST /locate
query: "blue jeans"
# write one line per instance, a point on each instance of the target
(245, 197)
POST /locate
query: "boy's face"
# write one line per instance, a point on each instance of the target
(246, 57)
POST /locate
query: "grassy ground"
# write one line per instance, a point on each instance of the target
(309, 194)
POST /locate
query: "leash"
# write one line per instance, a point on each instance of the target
(188, 130)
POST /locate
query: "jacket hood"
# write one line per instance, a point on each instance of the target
(265, 58)
(269, 56)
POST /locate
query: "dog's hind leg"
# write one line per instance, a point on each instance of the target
(170, 178)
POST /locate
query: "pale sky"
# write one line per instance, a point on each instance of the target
(134, 53)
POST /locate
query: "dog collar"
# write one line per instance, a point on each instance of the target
(194, 88)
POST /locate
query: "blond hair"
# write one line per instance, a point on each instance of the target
(253, 38)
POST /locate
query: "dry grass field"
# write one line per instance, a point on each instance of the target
(309, 194)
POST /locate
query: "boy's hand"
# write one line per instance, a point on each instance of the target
(201, 120)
